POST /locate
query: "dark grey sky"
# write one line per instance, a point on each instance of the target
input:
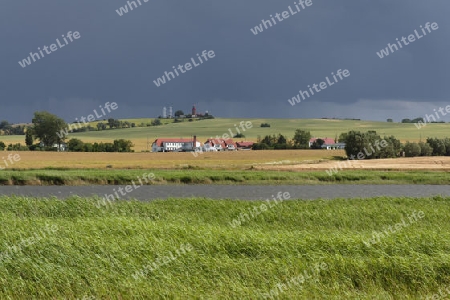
(117, 58)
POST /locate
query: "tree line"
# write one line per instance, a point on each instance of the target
(278, 142)
(369, 143)
(10, 129)
(47, 129)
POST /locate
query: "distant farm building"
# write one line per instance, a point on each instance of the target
(220, 144)
(328, 144)
(244, 145)
(175, 145)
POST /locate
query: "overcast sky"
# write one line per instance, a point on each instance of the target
(117, 58)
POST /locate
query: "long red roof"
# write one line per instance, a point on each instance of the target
(326, 140)
(220, 141)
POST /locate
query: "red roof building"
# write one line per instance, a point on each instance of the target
(171, 144)
(328, 141)
(221, 144)
(244, 145)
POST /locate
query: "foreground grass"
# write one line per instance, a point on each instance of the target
(196, 176)
(94, 252)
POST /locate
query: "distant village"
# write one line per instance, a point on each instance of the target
(219, 144)
(192, 144)
(189, 145)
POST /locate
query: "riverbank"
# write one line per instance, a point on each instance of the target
(77, 177)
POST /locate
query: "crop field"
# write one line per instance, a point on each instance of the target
(167, 160)
(238, 167)
(379, 248)
(142, 137)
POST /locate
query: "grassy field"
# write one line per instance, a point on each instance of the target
(193, 176)
(142, 137)
(189, 249)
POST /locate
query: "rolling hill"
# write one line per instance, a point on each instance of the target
(143, 136)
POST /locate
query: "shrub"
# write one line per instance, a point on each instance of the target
(412, 149)
(156, 122)
(438, 146)
(425, 149)
(75, 145)
(122, 145)
(260, 146)
(280, 146)
(317, 144)
(17, 147)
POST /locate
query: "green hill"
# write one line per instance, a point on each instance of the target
(317, 127)
(219, 126)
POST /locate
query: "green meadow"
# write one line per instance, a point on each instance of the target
(341, 249)
(317, 127)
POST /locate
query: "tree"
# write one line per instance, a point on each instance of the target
(4, 124)
(301, 139)
(260, 146)
(156, 122)
(390, 120)
(6, 127)
(269, 140)
(412, 149)
(113, 123)
(48, 128)
(239, 135)
(447, 146)
(2, 146)
(317, 144)
(342, 137)
(75, 145)
(281, 139)
(417, 120)
(354, 143)
(358, 143)
(392, 149)
(88, 147)
(425, 149)
(438, 146)
(122, 145)
(29, 137)
(101, 126)
(15, 130)
(179, 113)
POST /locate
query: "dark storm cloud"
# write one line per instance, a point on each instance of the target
(117, 58)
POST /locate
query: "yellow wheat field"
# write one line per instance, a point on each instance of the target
(168, 160)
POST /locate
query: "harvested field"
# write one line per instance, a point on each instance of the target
(169, 160)
(438, 163)
(288, 160)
